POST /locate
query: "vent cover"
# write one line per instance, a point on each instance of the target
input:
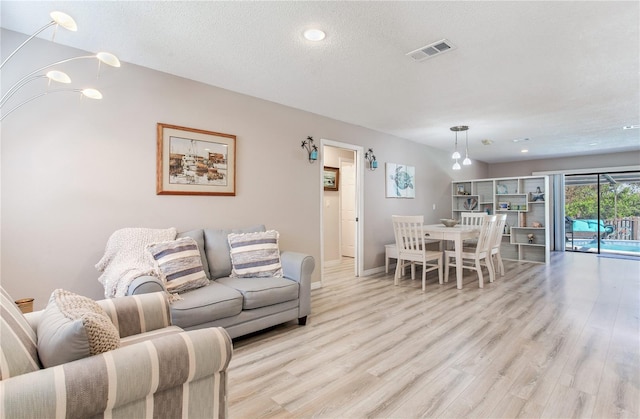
(431, 50)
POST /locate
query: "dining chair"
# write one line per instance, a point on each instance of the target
(410, 245)
(472, 219)
(477, 257)
(496, 241)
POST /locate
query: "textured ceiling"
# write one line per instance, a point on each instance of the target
(566, 75)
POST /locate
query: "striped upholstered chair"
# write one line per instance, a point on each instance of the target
(158, 370)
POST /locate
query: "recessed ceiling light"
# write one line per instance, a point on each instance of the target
(314, 35)
(524, 150)
(631, 127)
(592, 144)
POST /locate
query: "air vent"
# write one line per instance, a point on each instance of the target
(431, 50)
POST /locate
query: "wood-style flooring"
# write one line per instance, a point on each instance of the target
(557, 340)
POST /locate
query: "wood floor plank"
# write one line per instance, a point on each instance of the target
(555, 340)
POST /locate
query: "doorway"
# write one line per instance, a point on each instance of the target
(341, 209)
(602, 213)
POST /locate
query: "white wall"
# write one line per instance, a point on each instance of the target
(73, 171)
(525, 168)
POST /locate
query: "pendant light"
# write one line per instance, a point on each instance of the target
(456, 155)
(467, 160)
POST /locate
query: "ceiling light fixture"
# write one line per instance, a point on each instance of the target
(456, 154)
(524, 150)
(314, 35)
(67, 22)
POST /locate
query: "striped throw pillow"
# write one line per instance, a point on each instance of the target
(255, 255)
(178, 264)
(19, 347)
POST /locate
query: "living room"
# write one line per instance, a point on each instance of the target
(74, 171)
(98, 160)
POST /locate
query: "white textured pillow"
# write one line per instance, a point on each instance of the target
(179, 264)
(74, 327)
(255, 254)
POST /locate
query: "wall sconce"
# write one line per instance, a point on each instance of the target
(67, 22)
(311, 149)
(371, 158)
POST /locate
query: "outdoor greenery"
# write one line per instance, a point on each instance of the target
(616, 201)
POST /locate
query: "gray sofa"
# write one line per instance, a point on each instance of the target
(240, 305)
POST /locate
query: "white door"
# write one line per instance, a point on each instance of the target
(348, 208)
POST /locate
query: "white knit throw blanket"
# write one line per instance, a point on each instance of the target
(125, 258)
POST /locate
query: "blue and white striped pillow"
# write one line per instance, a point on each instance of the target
(178, 264)
(255, 255)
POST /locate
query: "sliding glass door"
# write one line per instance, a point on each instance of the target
(602, 213)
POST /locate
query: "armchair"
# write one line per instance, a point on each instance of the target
(159, 370)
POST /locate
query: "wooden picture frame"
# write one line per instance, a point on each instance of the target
(195, 162)
(331, 178)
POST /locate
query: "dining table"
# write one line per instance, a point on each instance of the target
(457, 234)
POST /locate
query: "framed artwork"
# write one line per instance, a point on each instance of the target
(400, 181)
(195, 162)
(331, 178)
(460, 189)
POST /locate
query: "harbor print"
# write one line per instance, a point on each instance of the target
(193, 162)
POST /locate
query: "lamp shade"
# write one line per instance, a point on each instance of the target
(92, 93)
(64, 20)
(108, 59)
(58, 76)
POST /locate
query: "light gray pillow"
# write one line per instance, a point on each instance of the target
(74, 327)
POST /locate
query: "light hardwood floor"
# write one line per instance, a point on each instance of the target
(556, 340)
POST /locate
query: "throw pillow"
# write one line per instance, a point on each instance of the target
(178, 264)
(18, 352)
(255, 254)
(74, 327)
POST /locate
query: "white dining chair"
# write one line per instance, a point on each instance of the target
(496, 241)
(472, 218)
(477, 257)
(410, 246)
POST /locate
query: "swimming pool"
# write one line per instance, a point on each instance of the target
(607, 245)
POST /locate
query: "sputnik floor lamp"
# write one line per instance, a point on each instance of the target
(67, 22)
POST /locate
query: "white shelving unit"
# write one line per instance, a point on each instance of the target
(523, 199)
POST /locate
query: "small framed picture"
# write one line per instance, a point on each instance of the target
(460, 189)
(331, 178)
(503, 206)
